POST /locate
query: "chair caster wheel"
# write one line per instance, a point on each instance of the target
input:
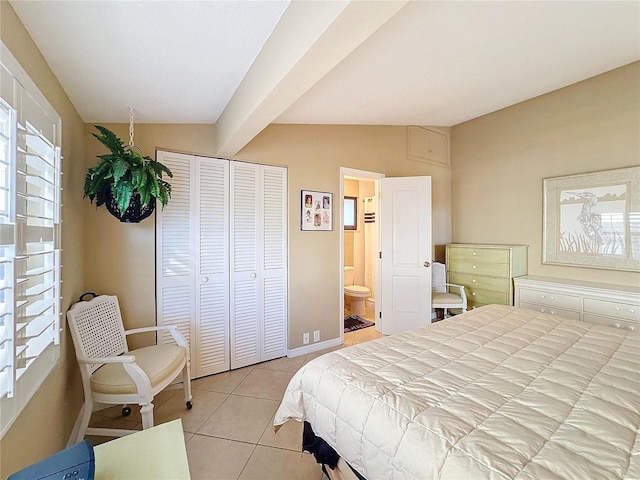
(126, 411)
(189, 405)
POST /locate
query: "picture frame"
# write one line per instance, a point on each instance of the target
(316, 211)
(593, 220)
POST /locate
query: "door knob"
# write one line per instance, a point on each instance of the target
(427, 264)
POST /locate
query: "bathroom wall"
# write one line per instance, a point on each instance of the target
(369, 237)
(354, 240)
(351, 188)
(365, 189)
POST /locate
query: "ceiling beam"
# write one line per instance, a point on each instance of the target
(310, 40)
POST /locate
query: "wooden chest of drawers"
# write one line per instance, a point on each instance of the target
(604, 304)
(486, 271)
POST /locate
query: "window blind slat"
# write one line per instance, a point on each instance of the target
(29, 241)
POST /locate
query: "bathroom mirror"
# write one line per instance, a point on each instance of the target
(350, 213)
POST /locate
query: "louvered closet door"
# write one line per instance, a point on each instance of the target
(175, 296)
(258, 263)
(212, 263)
(192, 259)
(273, 260)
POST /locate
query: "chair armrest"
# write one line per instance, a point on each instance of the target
(119, 359)
(150, 329)
(172, 329)
(463, 294)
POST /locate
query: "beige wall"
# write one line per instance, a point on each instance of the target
(499, 161)
(120, 258)
(313, 155)
(46, 422)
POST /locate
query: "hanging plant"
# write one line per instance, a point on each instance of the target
(126, 181)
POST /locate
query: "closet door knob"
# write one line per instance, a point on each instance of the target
(253, 275)
(205, 279)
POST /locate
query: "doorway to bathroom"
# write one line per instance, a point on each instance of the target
(392, 270)
(359, 244)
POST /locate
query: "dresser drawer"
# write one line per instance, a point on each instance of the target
(623, 311)
(611, 322)
(485, 283)
(478, 267)
(487, 297)
(546, 298)
(491, 255)
(561, 312)
(471, 305)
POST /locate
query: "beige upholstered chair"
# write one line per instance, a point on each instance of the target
(111, 373)
(441, 297)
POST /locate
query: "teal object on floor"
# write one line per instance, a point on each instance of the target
(73, 463)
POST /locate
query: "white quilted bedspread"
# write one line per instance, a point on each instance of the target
(496, 393)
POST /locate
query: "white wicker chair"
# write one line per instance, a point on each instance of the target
(111, 374)
(441, 297)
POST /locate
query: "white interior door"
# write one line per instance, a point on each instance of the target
(192, 243)
(406, 246)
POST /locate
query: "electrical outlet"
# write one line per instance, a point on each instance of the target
(316, 336)
(305, 338)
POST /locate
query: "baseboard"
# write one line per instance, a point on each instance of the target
(314, 347)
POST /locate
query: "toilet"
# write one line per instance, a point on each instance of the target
(354, 295)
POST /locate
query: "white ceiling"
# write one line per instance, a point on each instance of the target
(173, 62)
(245, 64)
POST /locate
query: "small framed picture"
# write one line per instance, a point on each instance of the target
(316, 211)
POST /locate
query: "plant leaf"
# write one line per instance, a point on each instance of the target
(109, 140)
(123, 194)
(120, 167)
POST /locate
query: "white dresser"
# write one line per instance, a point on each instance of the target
(612, 305)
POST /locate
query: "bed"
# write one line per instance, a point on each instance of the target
(496, 393)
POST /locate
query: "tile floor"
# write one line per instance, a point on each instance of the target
(229, 432)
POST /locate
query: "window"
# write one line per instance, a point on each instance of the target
(350, 213)
(29, 238)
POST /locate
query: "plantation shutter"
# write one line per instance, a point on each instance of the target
(30, 139)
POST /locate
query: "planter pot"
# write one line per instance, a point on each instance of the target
(134, 212)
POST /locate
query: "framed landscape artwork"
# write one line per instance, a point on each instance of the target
(316, 211)
(593, 220)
